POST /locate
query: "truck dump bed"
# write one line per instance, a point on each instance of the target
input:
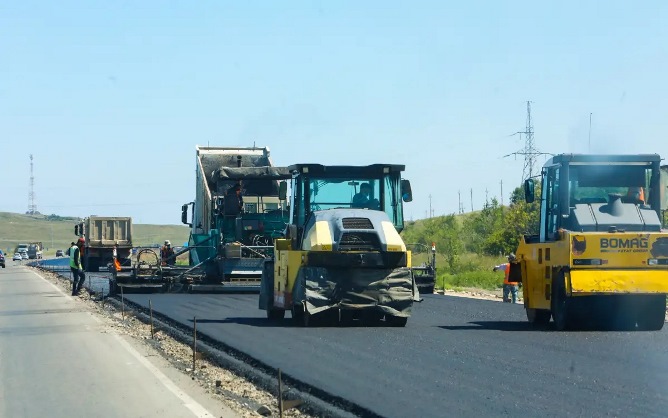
(107, 231)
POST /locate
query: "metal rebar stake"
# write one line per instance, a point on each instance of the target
(194, 343)
(122, 304)
(280, 394)
(150, 308)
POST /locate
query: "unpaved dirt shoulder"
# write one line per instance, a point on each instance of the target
(237, 393)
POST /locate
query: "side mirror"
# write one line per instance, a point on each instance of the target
(406, 193)
(529, 190)
(282, 190)
(76, 229)
(184, 214)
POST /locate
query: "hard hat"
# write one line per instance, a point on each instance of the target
(81, 240)
(167, 242)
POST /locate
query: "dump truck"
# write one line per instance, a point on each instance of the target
(101, 234)
(342, 256)
(234, 219)
(35, 250)
(601, 256)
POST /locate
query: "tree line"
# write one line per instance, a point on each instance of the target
(493, 231)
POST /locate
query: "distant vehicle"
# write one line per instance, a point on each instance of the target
(24, 255)
(21, 248)
(17, 257)
(60, 253)
(2, 259)
(35, 250)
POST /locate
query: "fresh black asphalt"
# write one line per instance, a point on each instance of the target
(456, 357)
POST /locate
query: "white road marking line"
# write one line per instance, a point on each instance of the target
(52, 285)
(195, 407)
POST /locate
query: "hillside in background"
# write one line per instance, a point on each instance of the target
(468, 246)
(57, 232)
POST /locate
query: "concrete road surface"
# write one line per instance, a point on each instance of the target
(456, 357)
(58, 360)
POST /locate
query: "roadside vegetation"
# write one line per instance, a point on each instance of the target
(468, 246)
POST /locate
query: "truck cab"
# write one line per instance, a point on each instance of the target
(600, 251)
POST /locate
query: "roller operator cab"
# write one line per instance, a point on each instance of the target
(601, 256)
(342, 255)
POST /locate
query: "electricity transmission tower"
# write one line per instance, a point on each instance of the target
(529, 152)
(32, 207)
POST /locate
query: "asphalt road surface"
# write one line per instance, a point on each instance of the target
(456, 357)
(58, 360)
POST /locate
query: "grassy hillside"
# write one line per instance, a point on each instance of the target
(471, 270)
(57, 233)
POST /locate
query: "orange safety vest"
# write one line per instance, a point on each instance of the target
(506, 278)
(640, 192)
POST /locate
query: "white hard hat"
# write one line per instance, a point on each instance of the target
(167, 242)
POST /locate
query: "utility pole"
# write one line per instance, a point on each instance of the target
(501, 192)
(471, 199)
(431, 212)
(529, 152)
(486, 197)
(461, 206)
(32, 207)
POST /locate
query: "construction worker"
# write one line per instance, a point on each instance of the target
(117, 264)
(167, 254)
(508, 286)
(363, 198)
(77, 269)
(81, 245)
(637, 194)
(234, 200)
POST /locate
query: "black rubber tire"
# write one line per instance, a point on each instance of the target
(652, 315)
(92, 265)
(560, 304)
(275, 314)
(298, 314)
(538, 317)
(396, 321)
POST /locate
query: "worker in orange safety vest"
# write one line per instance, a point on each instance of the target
(509, 288)
(637, 193)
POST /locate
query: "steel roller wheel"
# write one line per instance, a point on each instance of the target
(652, 315)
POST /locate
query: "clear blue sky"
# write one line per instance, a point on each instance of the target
(112, 97)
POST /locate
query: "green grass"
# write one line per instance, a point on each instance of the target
(58, 234)
(472, 271)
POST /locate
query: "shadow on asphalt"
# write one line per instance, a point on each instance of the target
(496, 326)
(288, 323)
(254, 322)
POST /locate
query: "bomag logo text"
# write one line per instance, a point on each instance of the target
(624, 243)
